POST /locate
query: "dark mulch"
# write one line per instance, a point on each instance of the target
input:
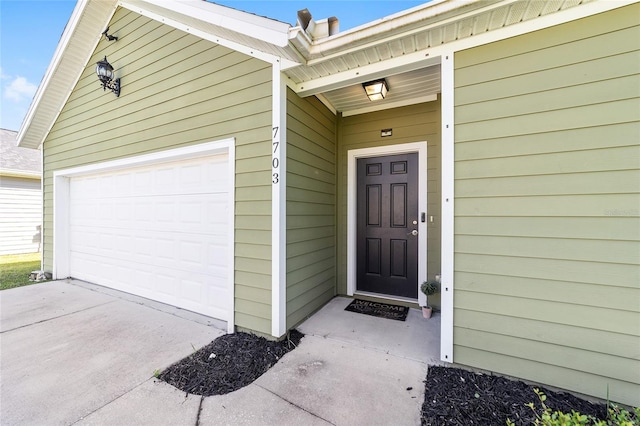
(459, 397)
(238, 359)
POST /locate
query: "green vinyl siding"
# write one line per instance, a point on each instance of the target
(547, 190)
(415, 123)
(311, 201)
(177, 90)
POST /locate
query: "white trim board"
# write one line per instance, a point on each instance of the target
(61, 198)
(279, 204)
(195, 9)
(447, 204)
(352, 157)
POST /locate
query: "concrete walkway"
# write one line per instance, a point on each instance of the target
(82, 354)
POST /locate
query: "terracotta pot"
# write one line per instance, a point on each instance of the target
(426, 311)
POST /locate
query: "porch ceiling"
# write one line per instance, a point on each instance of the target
(403, 48)
(408, 88)
(427, 28)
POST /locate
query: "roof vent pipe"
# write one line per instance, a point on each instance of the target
(334, 26)
(304, 17)
(317, 29)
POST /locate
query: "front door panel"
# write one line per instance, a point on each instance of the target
(387, 217)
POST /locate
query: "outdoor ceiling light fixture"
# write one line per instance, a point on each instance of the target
(376, 90)
(105, 75)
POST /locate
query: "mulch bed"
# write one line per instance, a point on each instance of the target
(459, 397)
(229, 363)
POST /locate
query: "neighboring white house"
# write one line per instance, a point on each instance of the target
(20, 196)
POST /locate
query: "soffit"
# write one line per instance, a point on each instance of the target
(338, 65)
(70, 58)
(213, 21)
(331, 56)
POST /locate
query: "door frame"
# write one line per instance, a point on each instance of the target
(352, 156)
(62, 193)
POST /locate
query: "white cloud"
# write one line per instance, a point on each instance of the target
(20, 89)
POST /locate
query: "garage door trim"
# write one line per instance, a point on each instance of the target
(62, 195)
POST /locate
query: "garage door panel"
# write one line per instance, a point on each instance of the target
(202, 214)
(182, 251)
(192, 290)
(158, 231)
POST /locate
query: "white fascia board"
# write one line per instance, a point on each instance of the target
(326, 103)
(390, 105)
(431, 56)
(135, 7)
(258, 27)
(53, 65)
(374, 29)
(392, 25)
(278, 204)
(20, 173)
(404, 63)
(74, 21)
(447, 208)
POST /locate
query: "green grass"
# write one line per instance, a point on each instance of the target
(15, 269)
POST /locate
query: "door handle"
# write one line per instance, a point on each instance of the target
(414, 232)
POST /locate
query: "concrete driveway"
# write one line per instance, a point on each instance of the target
(68, 350)
(74, 353)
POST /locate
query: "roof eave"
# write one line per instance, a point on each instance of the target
(20, 173)
(247, 24)
(95, 15)
(391, 26)
(28, 137)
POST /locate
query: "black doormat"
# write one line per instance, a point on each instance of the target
(382, 310)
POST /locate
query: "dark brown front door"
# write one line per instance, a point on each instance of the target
(387, 217)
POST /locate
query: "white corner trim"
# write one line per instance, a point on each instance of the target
(42, 213)
(231, 238)
(278, 204)
(352, 184)
(62, 195)
(447, 203)
(61, 237)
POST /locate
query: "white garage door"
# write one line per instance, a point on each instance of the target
(158, 231)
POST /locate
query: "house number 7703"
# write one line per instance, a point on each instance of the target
(275, 159)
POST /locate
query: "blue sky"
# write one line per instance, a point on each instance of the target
(30, 31)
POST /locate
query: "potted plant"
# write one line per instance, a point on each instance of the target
(428, 288)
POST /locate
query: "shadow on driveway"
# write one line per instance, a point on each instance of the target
(69, 348)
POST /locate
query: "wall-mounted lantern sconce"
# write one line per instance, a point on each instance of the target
(376, 90)
(105, 75)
